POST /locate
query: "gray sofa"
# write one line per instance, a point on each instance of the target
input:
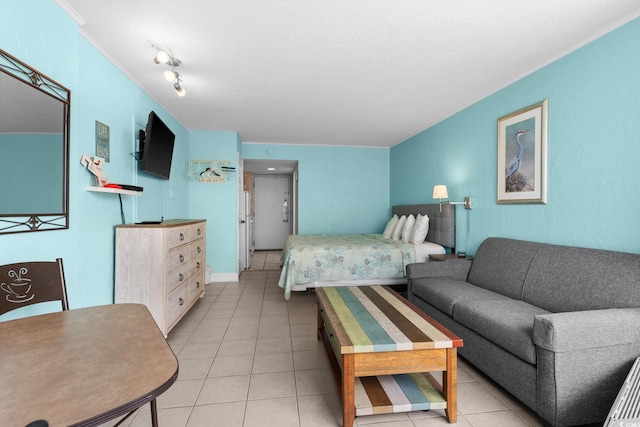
(556, 326)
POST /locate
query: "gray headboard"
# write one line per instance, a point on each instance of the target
(442, 225)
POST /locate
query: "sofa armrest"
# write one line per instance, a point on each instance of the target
(453, 269)
(579, 330)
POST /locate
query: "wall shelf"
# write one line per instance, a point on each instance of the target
(114, 191)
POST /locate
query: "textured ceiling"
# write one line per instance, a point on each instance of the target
(354, 72)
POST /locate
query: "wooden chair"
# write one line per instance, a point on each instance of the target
(27, 283)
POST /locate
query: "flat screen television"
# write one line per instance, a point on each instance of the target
(156, 147)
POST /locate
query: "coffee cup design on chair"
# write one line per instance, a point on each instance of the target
(19, 290)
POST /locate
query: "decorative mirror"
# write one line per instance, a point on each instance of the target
(34, 149)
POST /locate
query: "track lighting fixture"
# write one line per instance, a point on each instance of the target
(162, 57)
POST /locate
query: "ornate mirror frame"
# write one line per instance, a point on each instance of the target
(18, 222)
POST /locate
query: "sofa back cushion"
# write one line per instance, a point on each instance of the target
(565, 278)
(501, 265)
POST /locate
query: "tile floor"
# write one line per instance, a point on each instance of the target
(265, 260)
(250, 358)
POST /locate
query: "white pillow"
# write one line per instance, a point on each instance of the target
(420, 230)
(408, 228)
(388, 230)
(397, 231)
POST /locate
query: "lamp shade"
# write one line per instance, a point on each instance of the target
(440, 192)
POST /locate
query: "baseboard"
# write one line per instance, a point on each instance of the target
(224, 277)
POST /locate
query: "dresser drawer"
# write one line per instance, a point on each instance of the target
(178, 276)
(177, 302)
(197, 231)
(196, 265)
(196, 286)
(177, 236)
(178, 256)
(196, 249)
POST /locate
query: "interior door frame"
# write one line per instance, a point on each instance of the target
(241, 240)
(259, 167)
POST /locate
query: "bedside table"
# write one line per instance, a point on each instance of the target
(448, 257)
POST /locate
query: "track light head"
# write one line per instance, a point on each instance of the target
(171, 75)
(179, 89)
(161, 57)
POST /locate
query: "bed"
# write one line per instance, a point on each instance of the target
(310, 261)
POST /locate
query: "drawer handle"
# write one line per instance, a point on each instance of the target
(197, 285)
(181, 277)
(181, 236)
(199, 232)
(181, 301)
(181, 258)
(199, 249)
(198, 264)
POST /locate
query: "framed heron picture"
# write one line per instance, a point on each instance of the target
(522, 155)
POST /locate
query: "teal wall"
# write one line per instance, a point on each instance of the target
(217, 203)
(594, 147)
(341, 189)
(41, 34)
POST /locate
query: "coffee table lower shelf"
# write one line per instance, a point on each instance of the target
(386, 394)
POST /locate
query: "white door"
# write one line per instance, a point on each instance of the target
(272, 211)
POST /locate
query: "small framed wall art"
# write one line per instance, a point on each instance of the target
(522, 155)
(102, 141)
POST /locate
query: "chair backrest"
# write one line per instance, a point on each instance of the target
(27, 283)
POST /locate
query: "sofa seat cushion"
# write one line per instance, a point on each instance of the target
(444, 293)
(507, 323)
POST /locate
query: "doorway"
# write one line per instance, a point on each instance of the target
(274, 201)
(272, 211)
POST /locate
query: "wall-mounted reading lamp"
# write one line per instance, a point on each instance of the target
(440, 192)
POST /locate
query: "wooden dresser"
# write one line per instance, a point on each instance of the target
(161, 266)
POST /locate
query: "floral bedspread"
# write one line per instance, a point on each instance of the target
(316, 257)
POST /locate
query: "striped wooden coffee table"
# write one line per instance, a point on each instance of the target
(382, 349)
